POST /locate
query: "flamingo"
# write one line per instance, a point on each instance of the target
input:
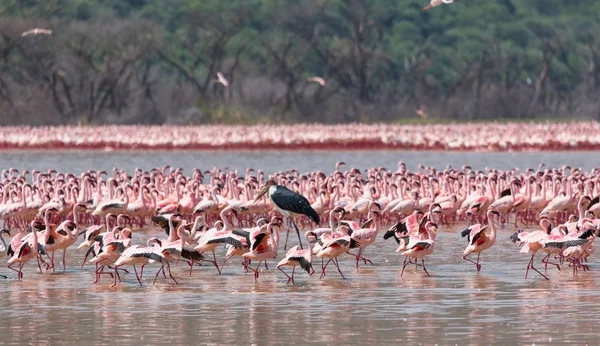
(26, 252)
(261, 249)
(418, 248)
(135, 255)
(479, 240)
(297, 257)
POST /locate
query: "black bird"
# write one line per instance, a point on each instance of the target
(290, 204)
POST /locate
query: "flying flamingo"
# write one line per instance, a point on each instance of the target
(37, 31)
(318, 80)
(435, 3)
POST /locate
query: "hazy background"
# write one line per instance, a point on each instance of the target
(155, 61)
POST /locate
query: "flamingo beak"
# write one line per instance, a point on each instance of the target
(5, 231)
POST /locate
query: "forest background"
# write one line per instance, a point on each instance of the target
(156, 61)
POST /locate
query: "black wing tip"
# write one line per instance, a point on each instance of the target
(387, 235)
(515, 236)
(465, 233)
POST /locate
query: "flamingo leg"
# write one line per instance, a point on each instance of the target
(293, 270)
(338, 268)
(323, 269)
(546, 261)
(158, 272)
(404, 265)
(170, 274)
(425, 269)
(52, 261)
(115, 277)
(142, 272)
(284, 273)
(532, 267)
(64, 260)
(136, 275)
(38, 263)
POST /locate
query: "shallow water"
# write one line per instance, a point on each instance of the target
(374, 306)
(304, 161)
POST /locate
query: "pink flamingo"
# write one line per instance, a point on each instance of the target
(261, 249)
(479, 240)
(135, 255)
(419, 248)
(26, 252)
(297, 257)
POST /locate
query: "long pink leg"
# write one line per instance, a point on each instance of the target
(64, 260)
(425, 269)
(323, 269)
(256, 274)
(466, 258)
(284, 273)
(158, 272)
(38, 263)
(404, 265)
(338, 268)
(171, 275)
(136, 275)
(116, 275)
(546, 261)
(293, 270)
(214, 262)
(532, 267)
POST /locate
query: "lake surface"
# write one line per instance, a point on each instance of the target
(304, 161)
(374, 306)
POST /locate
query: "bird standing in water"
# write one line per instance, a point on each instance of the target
(290, 204)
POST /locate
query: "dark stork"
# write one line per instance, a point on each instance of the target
(290, 204)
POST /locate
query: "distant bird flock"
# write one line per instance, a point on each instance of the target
(459, 137)
(230, 218)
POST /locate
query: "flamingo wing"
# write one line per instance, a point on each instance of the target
(192, 255)
(565, 244)
(339, 242)
(478, 235)
(258, 239)
(149, 255)
(303, 262)
(226, 240)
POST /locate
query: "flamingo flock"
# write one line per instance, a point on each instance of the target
(460, 137)
(215, 213)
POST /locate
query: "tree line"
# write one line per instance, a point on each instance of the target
(156, 61)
